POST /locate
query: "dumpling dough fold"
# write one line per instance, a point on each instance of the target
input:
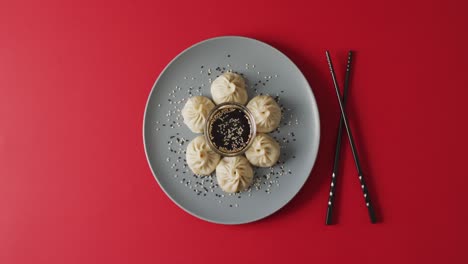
(264, 151)
(266, 112)
(196, 111)
(229, 87)
(201, 159)
(234, 174)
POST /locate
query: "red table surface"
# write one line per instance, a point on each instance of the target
(75, 186)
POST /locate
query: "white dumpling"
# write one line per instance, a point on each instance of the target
(234, 174)
(201, 159)
(196, 111)
(264, 151)
(266, 113)
(229, 87)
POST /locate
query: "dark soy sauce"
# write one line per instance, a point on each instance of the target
(230, 130)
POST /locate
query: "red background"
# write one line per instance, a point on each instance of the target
(75, 186)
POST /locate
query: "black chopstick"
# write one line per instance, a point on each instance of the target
(370, 208)
(331, 197)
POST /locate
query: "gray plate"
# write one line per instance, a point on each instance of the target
(165, 136)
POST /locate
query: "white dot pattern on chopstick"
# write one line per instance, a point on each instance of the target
(332, 190)
(364, 190)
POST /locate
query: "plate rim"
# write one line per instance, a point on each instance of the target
(314, 154)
